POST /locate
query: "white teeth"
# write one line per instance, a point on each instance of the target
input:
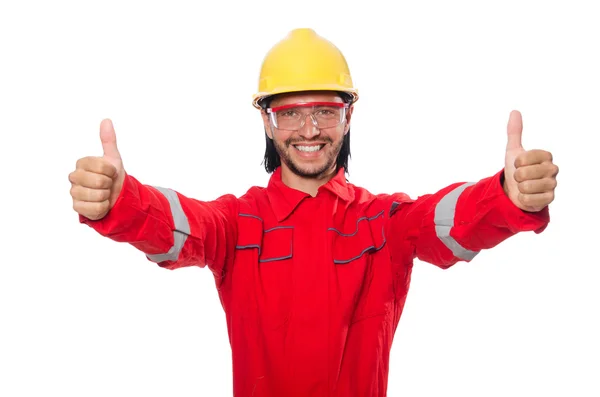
(309, 148)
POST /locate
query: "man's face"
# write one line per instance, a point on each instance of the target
(310, 151)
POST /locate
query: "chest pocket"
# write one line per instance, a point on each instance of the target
(363, 275)
(263, 270)
(352, 245)
(274, 244)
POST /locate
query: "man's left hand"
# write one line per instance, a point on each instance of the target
(529, 175)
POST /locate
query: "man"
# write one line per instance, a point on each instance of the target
(312, 271)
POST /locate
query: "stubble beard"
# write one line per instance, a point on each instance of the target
(283, 150)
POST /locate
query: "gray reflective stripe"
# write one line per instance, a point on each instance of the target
(444, 221)
(182, 227)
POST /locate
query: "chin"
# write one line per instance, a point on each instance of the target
(314, 170)
(308, 166)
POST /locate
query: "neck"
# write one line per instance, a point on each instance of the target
(307, 185)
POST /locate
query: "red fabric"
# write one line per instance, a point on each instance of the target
(313, 287)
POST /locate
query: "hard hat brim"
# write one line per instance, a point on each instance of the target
(256, 98)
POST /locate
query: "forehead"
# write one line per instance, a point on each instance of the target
(306, 96)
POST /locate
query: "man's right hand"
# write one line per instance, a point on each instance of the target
(97, 181)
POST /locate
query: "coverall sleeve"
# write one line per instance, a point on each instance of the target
(171, 229)
(459, 221)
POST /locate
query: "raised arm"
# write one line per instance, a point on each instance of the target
(457, 222)
(462, 219)
(171, 229)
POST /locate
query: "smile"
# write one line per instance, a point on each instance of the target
(309, 148)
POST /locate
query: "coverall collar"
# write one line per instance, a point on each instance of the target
(285, 199)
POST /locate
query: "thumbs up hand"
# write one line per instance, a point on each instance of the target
(97, 181)
(529, 176)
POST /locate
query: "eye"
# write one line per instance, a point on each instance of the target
(326, 112)
(288, 113)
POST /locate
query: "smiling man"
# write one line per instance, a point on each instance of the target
(312, 134)
(313, 271)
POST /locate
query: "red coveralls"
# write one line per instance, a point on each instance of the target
(313, 287)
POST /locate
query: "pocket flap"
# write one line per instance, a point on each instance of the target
(272, 244)
(250, 232)
(367, 236)
(277, 244)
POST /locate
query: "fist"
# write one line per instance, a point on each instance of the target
(96, 182)
(529, 175)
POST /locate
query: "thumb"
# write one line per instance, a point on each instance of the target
(514, 131)
(109, 140)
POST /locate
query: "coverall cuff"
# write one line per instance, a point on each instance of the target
(517, 219)
(122, 210)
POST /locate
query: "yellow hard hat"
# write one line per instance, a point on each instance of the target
(304, 61)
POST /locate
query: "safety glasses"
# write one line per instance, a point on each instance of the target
(293, 116)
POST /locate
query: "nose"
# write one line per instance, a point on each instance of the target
(309, 130)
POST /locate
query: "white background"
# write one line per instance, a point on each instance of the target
(84, 316)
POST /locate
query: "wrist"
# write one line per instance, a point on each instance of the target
(503, 183)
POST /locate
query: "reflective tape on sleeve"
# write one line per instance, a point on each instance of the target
(182, 227)
(444, 222)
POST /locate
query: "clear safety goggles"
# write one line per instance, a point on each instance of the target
(293, 116)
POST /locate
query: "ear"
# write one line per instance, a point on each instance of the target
(267, 123)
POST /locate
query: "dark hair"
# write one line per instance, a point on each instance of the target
(272, 160)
